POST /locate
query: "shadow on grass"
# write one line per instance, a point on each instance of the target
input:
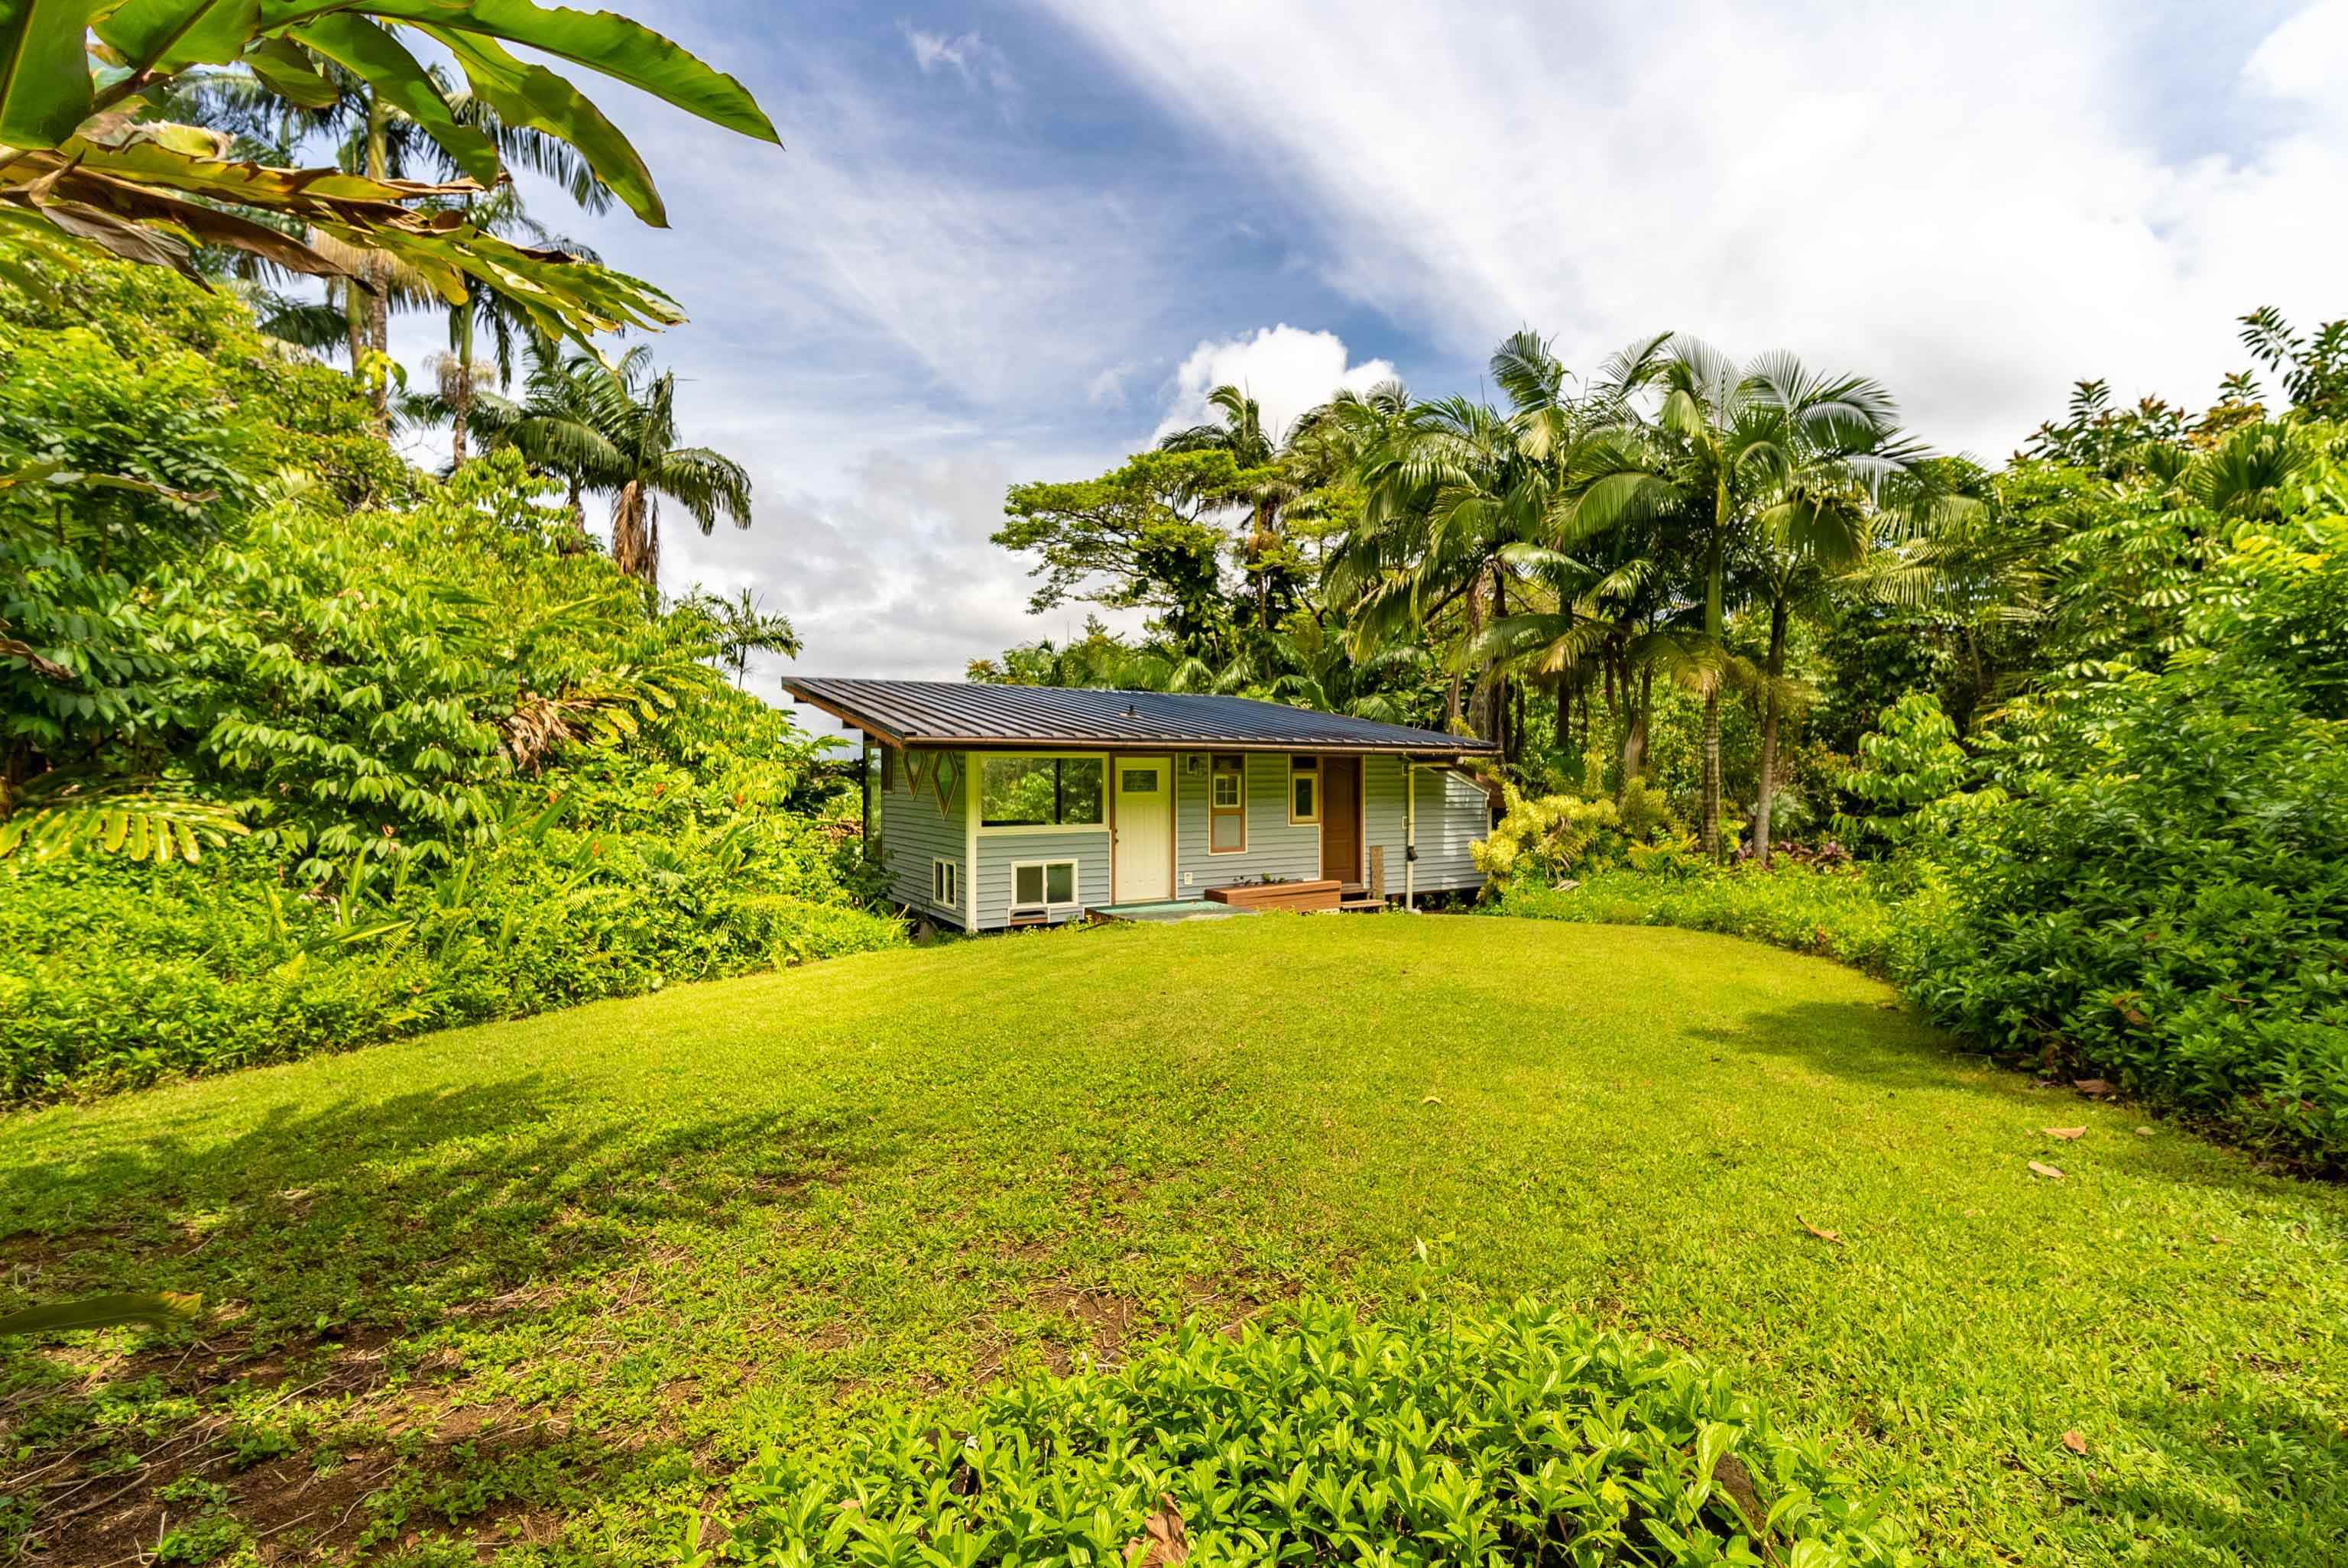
(330, 1243)
(1891, 1048)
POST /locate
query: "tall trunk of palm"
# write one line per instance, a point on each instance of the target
(1634, 731)
(461, 407)
(378, 302)
(354, 325)
(1769, 729)
(634, 548)
(1713, 630)
(578, 517)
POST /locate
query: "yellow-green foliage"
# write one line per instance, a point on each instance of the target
(1558, 835)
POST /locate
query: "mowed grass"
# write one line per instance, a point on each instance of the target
(538, 1286)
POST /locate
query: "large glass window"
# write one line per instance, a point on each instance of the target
(1041, 792)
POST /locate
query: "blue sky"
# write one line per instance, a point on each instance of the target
(1011, 242)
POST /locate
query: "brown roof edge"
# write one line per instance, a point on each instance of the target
(818, 693)
(855, 720)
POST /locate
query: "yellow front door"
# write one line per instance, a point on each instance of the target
(1142, 863)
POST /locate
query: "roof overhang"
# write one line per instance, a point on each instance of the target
(1467, 748)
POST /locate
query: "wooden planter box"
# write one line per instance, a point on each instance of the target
(1302, 896)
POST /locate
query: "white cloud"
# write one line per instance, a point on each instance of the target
(1964, 200)
(1285, 369)
(980, 63)
(888, 572)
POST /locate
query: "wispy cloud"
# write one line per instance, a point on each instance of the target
(1962, 200)
(979, 63)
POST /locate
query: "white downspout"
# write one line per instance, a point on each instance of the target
(1409, 832)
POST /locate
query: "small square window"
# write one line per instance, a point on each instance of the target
(945, 884)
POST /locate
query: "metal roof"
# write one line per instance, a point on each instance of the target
(953, 713)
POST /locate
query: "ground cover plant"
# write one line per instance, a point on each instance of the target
(541, 1287)
(1432, 1439)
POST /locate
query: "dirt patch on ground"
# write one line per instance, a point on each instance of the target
(1106, 1319)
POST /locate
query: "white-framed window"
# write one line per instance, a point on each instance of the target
(1042, 885)
(1227, 805)
(1303, 790)
(945, 884)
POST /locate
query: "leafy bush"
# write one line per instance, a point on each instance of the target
(619, 887)
(1560, 835)
(1835, 913)
(2166, 908)
(484, 773)
(1514, 1437)
(2156, 890)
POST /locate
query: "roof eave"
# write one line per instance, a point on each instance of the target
(859, 719)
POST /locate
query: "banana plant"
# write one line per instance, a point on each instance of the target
(77, 158)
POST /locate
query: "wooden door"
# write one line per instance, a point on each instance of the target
(1341, 818)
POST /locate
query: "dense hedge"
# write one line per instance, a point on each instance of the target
(1522, 1437)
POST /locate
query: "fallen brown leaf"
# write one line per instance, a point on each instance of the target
(2075, 1440)
(1432, 1100)
(2049, 1171)
(2143, 1131)
(2066, 1133)
(1834, 1237)
(2092, 1088)
(1162, 1542)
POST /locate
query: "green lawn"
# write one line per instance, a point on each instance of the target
(540, 1283)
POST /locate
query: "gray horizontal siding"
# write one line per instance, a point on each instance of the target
(1273, 847)
(1453, 814)
(914, 832)
(998, 852)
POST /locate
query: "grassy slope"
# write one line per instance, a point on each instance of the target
(571, 1266)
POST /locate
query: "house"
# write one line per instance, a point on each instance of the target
(1004, 805)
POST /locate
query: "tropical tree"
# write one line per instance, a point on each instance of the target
(1264, 486)
(611, 430)
(744, 625)
(78, 166)
(1452, 489)
(1765, 458)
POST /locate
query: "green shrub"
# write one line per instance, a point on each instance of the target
(645, 876)
(2164, 903)
(1836, 913)
(1519, 1437)
(1560, 835)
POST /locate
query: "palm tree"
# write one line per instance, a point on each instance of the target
(611, 430)
(745, 626)
(1454, 488)
(1265, 486)
(366, 133)
(460, 376)
(1748, 460)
